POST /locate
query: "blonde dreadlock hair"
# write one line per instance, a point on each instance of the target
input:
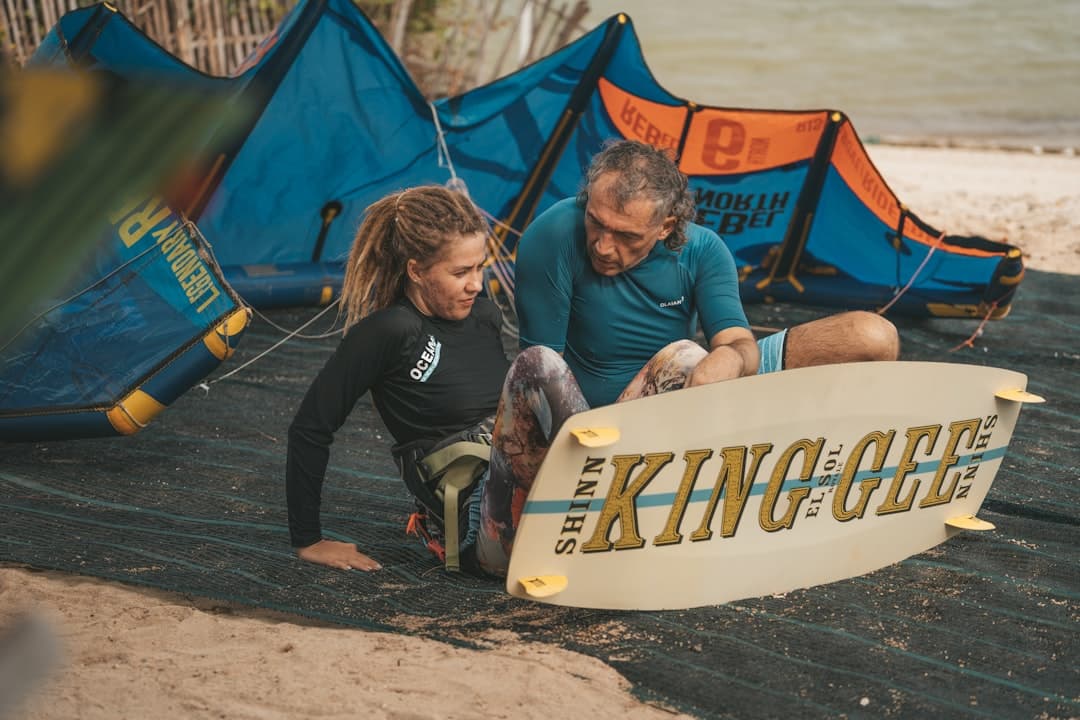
(414, 224)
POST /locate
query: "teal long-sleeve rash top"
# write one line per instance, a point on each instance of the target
(608, 327)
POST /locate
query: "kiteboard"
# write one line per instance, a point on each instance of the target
(762, 485)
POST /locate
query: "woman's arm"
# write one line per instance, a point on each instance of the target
(340, 555)
(356, 365)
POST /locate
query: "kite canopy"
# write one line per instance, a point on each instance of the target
(113, 307)
(332, 121)
(341, 123)
(150, 316)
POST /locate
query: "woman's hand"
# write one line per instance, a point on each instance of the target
(340, 555)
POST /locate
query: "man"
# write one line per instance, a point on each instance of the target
(618, 279)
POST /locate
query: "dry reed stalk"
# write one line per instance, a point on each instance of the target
(161, 21)
(247, 33)
(13, 33)
(219, 62)
(553, 29)
(537, 25)
(237, 39)
(261, 27)
(509, 43)
(166, 21)
(202, 26)
(34, 25)
(48, 14)
(487, 21)
(183, 34)
(571, 23)
(399, 23)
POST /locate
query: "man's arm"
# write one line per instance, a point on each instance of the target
(733, 353)
(543, 282)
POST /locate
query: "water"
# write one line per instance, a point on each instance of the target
(980, 72)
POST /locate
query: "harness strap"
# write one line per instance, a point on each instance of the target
(458, 477)
(456, 466)
(440, 460)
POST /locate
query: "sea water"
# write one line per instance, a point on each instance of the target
(970, 72)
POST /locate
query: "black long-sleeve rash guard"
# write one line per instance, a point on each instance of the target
(429, 378)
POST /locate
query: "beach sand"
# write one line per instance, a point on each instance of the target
(136, 653)
(1029, 200)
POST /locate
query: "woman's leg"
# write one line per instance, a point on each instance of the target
(667, 370)
(539, 394)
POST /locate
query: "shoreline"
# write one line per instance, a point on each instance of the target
(961, 143)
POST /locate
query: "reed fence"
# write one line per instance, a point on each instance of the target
(447, 45)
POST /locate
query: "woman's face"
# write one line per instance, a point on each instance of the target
(448, 287)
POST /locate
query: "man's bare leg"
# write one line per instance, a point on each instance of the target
(847, 337)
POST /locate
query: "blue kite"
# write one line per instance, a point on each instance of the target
(338, 123)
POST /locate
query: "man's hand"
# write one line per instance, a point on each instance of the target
(734, 354)
(340, 555)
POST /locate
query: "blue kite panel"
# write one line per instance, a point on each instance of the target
(629, 70)
(344, 125)
(149, 293)
(497, 134)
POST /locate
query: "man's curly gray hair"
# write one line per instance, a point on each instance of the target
(642, 170)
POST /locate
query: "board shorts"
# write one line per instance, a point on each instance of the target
(772, 352)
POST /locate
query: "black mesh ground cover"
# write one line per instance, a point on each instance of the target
(984, 625)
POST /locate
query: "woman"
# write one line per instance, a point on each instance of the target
(420, 338)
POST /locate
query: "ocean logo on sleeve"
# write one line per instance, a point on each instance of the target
(429, 360)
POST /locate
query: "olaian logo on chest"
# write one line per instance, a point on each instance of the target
(673, 303)
(429, 360)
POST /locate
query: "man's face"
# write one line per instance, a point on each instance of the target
(618, 239)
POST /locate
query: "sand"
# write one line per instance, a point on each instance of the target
(135, 653)
(1029, 200)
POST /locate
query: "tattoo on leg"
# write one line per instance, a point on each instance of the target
(539, 394)
(667, 370)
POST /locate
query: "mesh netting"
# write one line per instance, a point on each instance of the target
(983, 625)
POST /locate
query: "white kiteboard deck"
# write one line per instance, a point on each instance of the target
(762, 485)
